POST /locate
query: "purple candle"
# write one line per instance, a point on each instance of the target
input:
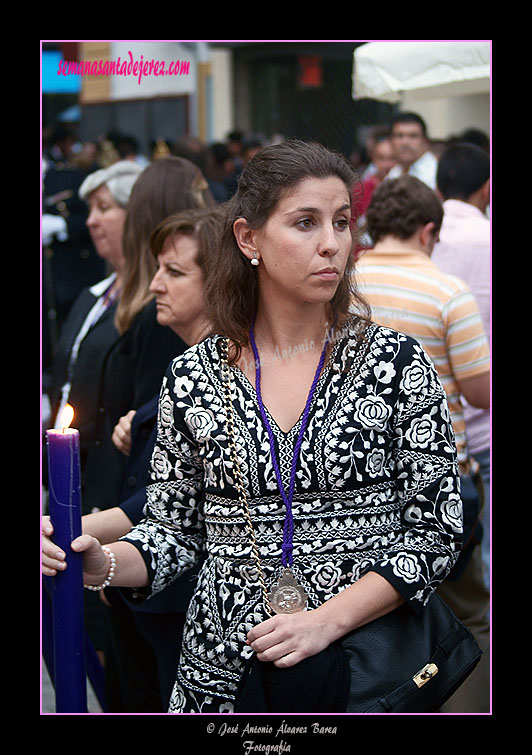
(64, 504)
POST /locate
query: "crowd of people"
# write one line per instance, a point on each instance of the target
(197, 261)
(71, 262)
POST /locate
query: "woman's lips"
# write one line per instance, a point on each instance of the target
(327, 274)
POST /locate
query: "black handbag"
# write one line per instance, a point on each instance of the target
(402, 662)
(405, 662)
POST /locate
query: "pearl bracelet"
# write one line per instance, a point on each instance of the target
(110, 573)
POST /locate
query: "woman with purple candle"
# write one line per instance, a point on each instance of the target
(306, 451)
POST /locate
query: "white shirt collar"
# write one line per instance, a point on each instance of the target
(101, 287)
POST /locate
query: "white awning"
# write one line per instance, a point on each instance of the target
(384, 70)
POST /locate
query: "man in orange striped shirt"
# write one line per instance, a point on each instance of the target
(409, 293)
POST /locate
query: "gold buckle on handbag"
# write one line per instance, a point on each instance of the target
(426, 674)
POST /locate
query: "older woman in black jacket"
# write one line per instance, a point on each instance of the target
(89, 331)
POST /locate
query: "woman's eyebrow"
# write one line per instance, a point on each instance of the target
(345, 206)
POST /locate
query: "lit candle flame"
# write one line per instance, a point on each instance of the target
(67, 416)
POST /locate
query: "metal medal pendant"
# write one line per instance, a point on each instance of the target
(287, 596)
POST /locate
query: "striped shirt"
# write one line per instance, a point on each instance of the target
(409, 293)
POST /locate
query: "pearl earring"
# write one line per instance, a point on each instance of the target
(254, 261)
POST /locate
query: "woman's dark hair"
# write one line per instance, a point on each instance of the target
(400, 206)
(231, 287)
(203, 224)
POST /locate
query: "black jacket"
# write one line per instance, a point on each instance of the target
(133, 372)
(89, 366)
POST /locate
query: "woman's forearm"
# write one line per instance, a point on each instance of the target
(367, 599)
(130, 569)
(106, 526)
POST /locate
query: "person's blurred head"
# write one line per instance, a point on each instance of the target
(220, 162)
(126, 146)
(183, 244)
(382, 155)
(235, 141)
(475, 136)
(409, 138)
(250, 149)
(167, 186)
(400, 207)
(107, 193)
(61, 141)
(464, 173)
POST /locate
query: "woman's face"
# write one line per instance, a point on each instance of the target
(178, 284)
(106, 225)
(305, 244)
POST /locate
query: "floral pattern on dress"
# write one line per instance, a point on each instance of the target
(377, 488)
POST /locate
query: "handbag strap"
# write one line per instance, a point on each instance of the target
(237, 472)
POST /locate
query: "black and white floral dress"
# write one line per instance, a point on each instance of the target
(377, 488)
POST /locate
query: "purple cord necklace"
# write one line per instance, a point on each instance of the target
(287, 596)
